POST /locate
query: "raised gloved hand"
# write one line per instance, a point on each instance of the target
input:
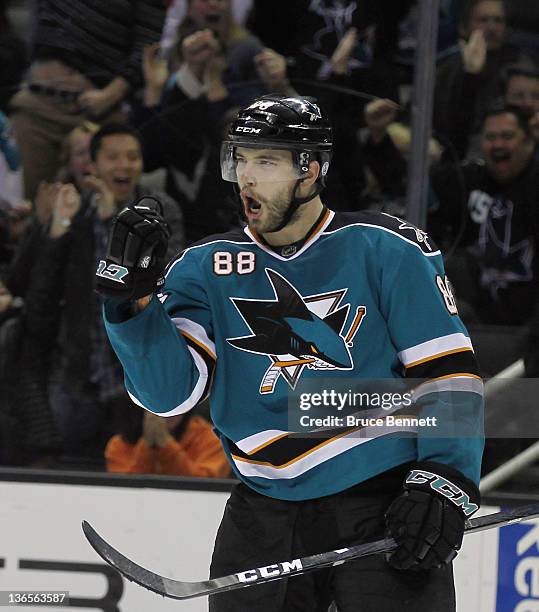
(135, 259)
(428, 518)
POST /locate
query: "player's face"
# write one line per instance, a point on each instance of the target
(489, 16)
(266, 178)
(119, 164)
(506, 147)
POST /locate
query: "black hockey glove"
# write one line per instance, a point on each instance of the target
(428, 518)
(135, 258)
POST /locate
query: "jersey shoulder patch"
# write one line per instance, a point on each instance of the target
(394, 225)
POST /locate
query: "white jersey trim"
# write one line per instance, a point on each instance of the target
(435, 348)
(262, 438)
(469, 384)
(316, 457)
(193, 399)
(196, 331)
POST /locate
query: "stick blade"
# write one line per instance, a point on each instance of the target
(165, 587)
(125, 566)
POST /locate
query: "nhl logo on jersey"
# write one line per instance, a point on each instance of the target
(296, 332)
(289, 250)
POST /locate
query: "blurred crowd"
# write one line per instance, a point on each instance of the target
(103, 102)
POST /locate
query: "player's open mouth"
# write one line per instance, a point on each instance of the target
(252, 207)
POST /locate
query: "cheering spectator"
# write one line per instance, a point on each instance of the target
(520, 89)
(75, 156)
(181, 445)
(250, 69)
(324, 37)
(495, 267)
(486, 218)
(182, 125)
(176, 12)
(85, 379)
(468, 82)
(329, 45)
(76, 166)
(386, 147)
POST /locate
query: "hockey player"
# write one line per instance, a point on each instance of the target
(301, 293)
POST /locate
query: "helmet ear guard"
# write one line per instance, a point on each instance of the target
(304, 158)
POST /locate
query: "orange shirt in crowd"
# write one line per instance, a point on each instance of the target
(197, 453)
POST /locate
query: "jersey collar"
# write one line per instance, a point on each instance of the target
(312, 236)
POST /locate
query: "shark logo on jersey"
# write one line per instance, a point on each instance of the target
(296, 332)
(420, 235)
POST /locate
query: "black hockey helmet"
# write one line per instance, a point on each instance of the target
(280, 122)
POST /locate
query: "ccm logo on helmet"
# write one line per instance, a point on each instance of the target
(445, 488)
(248, 130)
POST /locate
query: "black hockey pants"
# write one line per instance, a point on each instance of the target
(258, 531)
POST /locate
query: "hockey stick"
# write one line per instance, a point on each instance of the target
(176, 589)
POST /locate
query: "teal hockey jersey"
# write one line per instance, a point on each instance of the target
(364, 297)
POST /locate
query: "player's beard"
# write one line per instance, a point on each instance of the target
(275, 210)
